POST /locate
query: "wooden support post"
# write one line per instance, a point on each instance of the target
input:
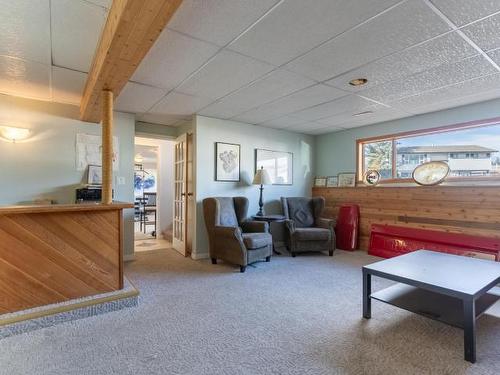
(107, 146)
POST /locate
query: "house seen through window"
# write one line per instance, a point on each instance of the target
(470, 152)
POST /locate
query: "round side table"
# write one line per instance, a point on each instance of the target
(270, 219)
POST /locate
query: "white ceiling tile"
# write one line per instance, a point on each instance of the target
(462, 12)
(24, 78)
(401, 27)
(295, 26)
(495, 55)
(483, 88)
(323, 131)
(372, 114)
(180, 104)
(162, 119)
(25, 29)
(335, 107)
(446, 49)
(76, 29)
(225, 73)
(172, 59)
(440, 76)
(381, 115)
(485, 33)
(67, 85)
(137, 98)
(283, 122)
(306, 127)
(275, 85)
(305, 98)
(218, 21)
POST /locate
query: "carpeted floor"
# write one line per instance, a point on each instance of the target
(291, 316)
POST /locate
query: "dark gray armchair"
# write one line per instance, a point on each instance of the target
(306, 229)
(231, 236)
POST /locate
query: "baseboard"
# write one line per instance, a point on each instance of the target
(198, 256)
(128, 257)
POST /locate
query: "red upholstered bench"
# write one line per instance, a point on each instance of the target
(388, 241)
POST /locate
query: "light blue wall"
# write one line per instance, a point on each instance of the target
(336, 152)
(210, 130)
(43, 167)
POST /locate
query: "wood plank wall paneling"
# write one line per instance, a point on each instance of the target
(53, 257)
(456, 209)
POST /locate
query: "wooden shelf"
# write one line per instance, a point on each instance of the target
(433, 305)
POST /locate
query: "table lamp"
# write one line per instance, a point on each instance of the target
(261, 178)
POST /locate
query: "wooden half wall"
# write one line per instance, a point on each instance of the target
(459, 209)
(56, 253)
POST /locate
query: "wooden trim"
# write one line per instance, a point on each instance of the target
(9, 210)
(130, 31)
(69, 307)
(392, 137)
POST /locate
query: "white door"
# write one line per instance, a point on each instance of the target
(180, 179)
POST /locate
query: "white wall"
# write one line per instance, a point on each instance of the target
(43, 167)
(165, 189)
(208, 131)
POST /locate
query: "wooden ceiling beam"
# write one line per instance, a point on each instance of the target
(131, 29)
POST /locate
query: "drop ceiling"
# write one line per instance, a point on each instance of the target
(47, 46)
(281, 64)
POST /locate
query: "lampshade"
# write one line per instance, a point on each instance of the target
(262, 178)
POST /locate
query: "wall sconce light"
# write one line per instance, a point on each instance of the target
(14, 134)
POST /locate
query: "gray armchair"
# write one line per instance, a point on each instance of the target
(231, 236)
(306, 229)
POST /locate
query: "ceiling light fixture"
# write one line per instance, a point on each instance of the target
(138, 158)
(14, 134)
(358, 82)
(363, 113)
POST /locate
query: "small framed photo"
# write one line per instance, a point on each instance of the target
(320, 182)
(94, 175)
(227, 162)
(332, 181)
(346, 179)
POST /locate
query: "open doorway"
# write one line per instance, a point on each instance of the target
(153, 192)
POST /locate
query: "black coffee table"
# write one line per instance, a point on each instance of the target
(452, 289)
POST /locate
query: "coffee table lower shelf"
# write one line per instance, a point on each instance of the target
(443, 308)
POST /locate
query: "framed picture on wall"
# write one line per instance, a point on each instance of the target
(227, 162)
(332, 181)
(320, 182)
(346, 179)
(94, 175)
(279, 165)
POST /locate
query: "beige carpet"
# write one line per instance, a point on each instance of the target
(290, 316)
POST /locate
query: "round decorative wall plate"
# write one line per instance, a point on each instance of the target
(431, 173)
(371, 177)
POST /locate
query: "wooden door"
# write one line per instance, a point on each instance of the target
(180, 184)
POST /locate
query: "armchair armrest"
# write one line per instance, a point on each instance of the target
(326, 223)
(255, 226)
(232, 233)
(290, 225)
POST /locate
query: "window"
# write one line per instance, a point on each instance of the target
(471, 150)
